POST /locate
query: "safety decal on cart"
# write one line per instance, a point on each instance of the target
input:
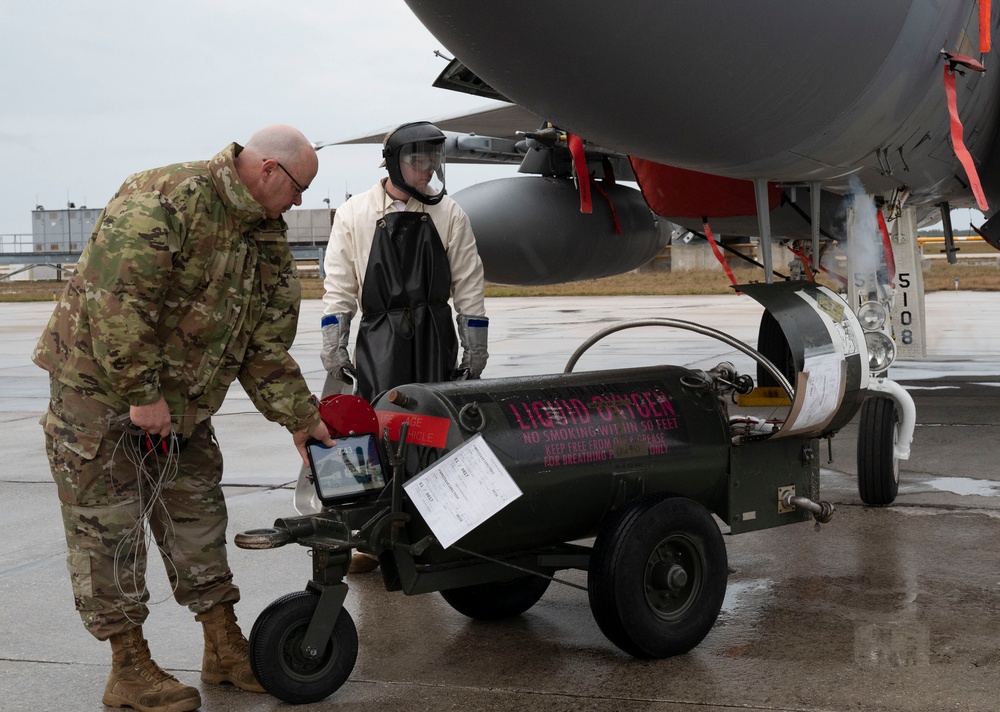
(428, 430)
(594, 423)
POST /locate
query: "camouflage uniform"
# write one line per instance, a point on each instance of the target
(183, 287)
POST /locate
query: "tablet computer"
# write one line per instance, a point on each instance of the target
(347, 470)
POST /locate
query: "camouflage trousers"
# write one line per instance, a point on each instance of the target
(113, 496)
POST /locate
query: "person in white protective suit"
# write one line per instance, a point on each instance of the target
(400, 250)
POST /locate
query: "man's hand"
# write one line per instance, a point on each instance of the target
(154, 418)
(319, 433)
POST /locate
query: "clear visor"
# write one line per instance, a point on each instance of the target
(423, 156)
(422, 167)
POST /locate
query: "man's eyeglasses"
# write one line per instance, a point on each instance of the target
(299, 188)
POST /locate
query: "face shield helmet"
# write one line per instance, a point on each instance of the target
(414, 159)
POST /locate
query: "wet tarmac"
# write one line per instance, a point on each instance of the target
(892, 608)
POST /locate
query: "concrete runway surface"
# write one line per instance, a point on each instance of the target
(894, 608)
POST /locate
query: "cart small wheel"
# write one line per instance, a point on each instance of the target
(493, 601)
(657, 576)
(278, 662)
(878, 467)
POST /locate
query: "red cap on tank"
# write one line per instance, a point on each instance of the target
(348, 415)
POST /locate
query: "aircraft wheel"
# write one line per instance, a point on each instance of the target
(773, 345)
(878, 468)
(657, 576)
(278, 662)
(493, 601)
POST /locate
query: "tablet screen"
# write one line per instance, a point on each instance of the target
(350, 468)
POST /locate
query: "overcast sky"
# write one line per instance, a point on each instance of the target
(91, 92)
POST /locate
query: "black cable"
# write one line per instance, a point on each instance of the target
(739, 254)
(794, 206)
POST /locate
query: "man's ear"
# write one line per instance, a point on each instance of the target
(267, 169)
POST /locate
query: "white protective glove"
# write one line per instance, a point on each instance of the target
(336, 329)
(472, 333)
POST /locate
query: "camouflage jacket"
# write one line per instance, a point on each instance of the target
(183, 287)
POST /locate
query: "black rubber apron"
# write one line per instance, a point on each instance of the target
(406, 334)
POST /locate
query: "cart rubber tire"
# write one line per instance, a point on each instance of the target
(657, 576)
(279, 665)
(494, 601)
(878, 467)
(773, 345)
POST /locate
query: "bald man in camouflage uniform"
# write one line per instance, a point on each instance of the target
(185, 285)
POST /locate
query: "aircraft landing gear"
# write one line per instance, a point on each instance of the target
(878, 466)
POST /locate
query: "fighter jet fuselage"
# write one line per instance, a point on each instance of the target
(782, 90)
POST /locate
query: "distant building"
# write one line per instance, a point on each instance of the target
(65, 231)
(59, 236)
(309, 226)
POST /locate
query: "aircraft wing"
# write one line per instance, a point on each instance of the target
(502, 133)
(485, 135)
(501, 119)
(498, 120)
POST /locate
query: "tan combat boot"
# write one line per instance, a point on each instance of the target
(138, 682)
(226, 650)
(362, 563)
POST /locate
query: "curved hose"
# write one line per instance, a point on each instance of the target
(688, 326)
